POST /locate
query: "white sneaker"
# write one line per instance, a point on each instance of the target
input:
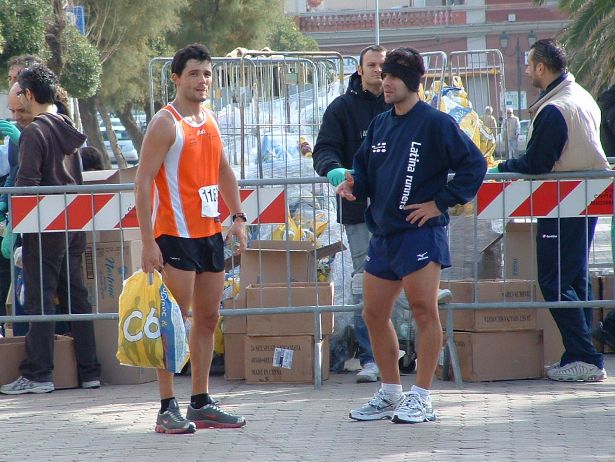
(577, 371)
(414, 409)
(369, 373)
(381, 406)
(90, 384)
(23, 385)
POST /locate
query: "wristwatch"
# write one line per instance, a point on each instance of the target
(240, 215)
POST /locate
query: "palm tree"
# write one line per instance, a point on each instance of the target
(590, 41)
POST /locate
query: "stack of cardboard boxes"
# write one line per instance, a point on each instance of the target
(278, 348)
(498, 344)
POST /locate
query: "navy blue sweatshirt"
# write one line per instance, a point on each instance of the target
(344, 126)
(406, 159)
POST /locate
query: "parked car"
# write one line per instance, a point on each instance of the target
(125, 143)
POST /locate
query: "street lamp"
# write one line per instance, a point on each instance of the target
(504, 41)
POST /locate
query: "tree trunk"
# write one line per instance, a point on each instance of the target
(134, 131)
(115, 147)
(87, 109)
(53, 36)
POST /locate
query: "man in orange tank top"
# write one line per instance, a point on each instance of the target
(182, 169)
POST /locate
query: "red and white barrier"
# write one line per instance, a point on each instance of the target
(109, 211)
(545, 199)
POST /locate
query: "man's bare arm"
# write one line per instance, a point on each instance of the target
(158, 139)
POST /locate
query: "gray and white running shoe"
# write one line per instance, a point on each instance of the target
(577, 371)
(211, 416)
(380, 406)
(23, 385)
(172, 421)
(414, 409)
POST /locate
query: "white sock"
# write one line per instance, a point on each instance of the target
(394, 390)
(422, 392)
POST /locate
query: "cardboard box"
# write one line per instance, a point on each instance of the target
(520, 250)
(105, 276)
(266, 262)
(282, 294)
(296, 353)
(483, 320)
(111, 176)
(553, 348)
(487, 356)
(234, 356)
(112, 372)
(233, 324)
(13, 352)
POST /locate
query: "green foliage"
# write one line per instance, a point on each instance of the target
(127, 35)
(82, 69)
(226, 25)
(286, 36)
(22, 29)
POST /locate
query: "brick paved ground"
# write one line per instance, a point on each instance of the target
(530, 420)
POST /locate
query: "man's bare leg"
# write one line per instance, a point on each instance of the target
(208, 289)
(422, 291)
(379, 296)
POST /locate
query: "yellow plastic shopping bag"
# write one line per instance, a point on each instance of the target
(151, 326)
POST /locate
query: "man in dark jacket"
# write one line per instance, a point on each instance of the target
(344, 125)
(48, 156)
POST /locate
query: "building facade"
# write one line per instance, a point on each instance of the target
(510, 26)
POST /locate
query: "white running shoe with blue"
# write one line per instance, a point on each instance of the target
(381, 406)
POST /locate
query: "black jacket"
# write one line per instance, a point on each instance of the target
(606, 101)
(344, 126)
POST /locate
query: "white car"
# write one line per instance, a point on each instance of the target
(125, 143)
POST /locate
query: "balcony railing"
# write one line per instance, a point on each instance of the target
(389, 19)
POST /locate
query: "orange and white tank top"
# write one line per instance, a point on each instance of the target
(185, 202)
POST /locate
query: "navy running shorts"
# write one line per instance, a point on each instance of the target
(393, 257)
(203, 254)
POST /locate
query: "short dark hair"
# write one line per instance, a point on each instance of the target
(23, 61)
(41, 81)
(376, 48)
(91, 159)
(193, 51)
(550, 53)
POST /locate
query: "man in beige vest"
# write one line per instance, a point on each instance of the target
(564, 135)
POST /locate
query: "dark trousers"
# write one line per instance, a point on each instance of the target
(5, 284)
(51, 255)
(572, 240)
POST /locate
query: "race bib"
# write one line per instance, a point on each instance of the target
(209, 201)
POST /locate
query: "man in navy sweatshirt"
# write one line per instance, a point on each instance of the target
(402, 168)
(564, 135)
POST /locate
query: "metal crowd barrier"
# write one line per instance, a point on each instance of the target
(503, 199)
